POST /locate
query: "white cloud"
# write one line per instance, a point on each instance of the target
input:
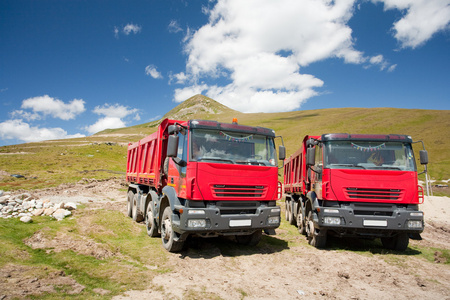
(113, 115)
(380, 61)
(131, 28)
(311, 30)
(21, 114)
(422, 19)
(105, 123)
(19, 130)
(116, 32)
(187, 92)
(153, 72)
(262, 59)
(259, 48)
(392, 68)
(174, 27)
(56, 108)
(179, 78)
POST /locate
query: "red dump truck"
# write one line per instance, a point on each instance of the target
(205, 178)
(356, 185)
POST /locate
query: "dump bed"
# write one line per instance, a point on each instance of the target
(295, 171)
(145, 158)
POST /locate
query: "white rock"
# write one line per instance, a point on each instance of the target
(38, 212)
(60, 214)
(26, 219)
(70, 206)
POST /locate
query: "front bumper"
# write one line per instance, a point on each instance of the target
(213, 221)
(368, 219)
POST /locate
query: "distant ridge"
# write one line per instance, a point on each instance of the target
(431, 126)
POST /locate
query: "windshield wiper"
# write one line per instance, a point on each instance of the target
(389, 168)
(348, 165)
(215, 158)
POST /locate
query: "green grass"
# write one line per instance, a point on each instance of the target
(128, 268)
(46, 165)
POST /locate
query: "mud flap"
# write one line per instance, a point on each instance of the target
(415, 236)
(270, 231)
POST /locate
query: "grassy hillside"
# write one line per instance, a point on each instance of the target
(103, 155)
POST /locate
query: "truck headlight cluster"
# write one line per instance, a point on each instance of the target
(273, 220)
(197, 223)
(415, 224)
(332, 220)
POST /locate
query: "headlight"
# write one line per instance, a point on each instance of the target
(197, 223)
(332, 220)
(331, 210)
(275, 210)
(414, 224)
(273, 220)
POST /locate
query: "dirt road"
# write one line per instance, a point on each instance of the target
(285, 266)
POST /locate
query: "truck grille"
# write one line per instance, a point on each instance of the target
(241, 191)
(379, 194)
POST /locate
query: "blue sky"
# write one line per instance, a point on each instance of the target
(72, 68)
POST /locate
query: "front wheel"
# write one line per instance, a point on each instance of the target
(250, 239)
(315, 237)
(398, 242)
(169, 241)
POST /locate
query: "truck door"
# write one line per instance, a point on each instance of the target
(318, 168)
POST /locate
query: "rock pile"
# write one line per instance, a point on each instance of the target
(25, 206)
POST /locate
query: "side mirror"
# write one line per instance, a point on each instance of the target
(173, 129)
(423, 157)
(172, 146)
(310, 156)
(282, 152)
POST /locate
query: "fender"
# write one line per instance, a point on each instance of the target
(313, 198)
(171, 195)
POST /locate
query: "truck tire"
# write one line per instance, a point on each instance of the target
(130, 203)
(137, 216)
(250, 239)
(290, 213)
(318, 241)
(167, 234)
(150, 223)
(398, 242)
(301, 223)
(288, 206)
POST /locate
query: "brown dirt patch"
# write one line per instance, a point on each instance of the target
(17, 281)
(65, 241)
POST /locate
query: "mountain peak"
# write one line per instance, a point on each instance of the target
(198, 106)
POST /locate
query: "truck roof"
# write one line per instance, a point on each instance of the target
(366, 137)
(207, 124)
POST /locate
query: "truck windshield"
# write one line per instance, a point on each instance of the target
(232, 148)
(374, 155)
